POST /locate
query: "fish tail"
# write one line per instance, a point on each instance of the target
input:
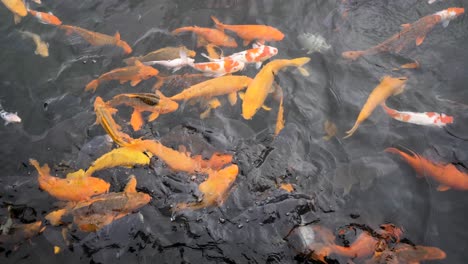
(300, 61)
(182, 29)
(159, 83)
(92, 85)
(352, 130)
(136, 120)
(122, 44)
(352, 55)
(131, 60)
(68, 29)
(218, 24)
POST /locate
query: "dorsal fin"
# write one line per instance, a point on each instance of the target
(131, 185)
(117, 35)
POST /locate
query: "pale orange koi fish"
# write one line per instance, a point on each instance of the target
(446, 174)
(249, 33)
(98, 39)
(209, 35)
(388, 86)
(424, 119)
(75, 187)
(410, 33)
(167, 53)
(46, 18)
(17, 7)
(134, 74)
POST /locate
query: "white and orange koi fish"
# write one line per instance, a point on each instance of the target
(219, 67)
(424, 119)
(258, 54)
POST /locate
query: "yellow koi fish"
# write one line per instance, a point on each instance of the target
(17, 7)
(120, 157)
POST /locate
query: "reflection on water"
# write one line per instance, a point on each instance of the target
(336, 182)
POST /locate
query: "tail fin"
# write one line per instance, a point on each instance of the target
(136, 120)
(182, 29)
(92, 85)
(352, 130)
(218, 24)
(352, 55)
(159, 83)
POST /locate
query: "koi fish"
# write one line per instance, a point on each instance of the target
(216, 162)
(167, 53)
(46, 18)
(42, 48)
(261, 85)
(17, 7)
(208, 35)
(104, 114)
(99, 211)
(410, 33)
(229, 85)
(313, 43)
(257, 55)
(175, 64)
(404, 253)
(9, 117)
(98, 39)
(287, 187)
(182, 80)
(145, 102)
(77, 186)
(249, 33)
(424, 119)
(134, 74)
(215, 189)
(219, 67)
(446, 174)
(388, 86)
(20, 232)
(120, 157)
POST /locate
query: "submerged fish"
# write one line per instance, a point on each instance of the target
(42, 48)
(446, 174)
(250, 33)
(313, 43)
(9, 117)
(17, 7)
(164, 54)
(133, 74)
(424, 119)
(411, 33)
(388, 86)
(208, 35)
(175, 64)
(120, 157)
(99, 211)
(77, 186)
(145, 102)
(46, 18)
(98, 39)
(18, 233)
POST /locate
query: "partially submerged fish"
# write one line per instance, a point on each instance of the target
(99, 211)
(9, 117)
(259, 88)
(446, 174)
(76, 186)
(410, 33)
(42, 48)
(98, 39)
(18, 233)
(164, 54)
(313, 43)
(145, 102)
(219, 67)
(46, 18)
(388, 86)
(133, 74)
(17, 7)
(215, 189)
(250, 33)
(424, 119)
(120, 157)
(208, 35)
(175, 64)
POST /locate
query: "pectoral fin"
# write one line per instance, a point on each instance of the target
(266, 108)
(258, 65)
(17, 19)
(232, 97)
(135, 82)
(303, 71)
(131, 185)
(420, 40)
(241, 95)
(136, 120)
(445, 23)
(443, 188)
(153, 116)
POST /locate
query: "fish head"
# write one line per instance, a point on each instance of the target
(450, 13)
(446, 119)
(167, 105)
(271, 50)
(136, 200)
(277, 35)
(98, 103)
(124, 45)
(148, 72)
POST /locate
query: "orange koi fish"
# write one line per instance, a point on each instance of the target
(167, 53)
(249, 33)
(17, 7)
(404, 253)
(46, 18)
(388, 86)
(18, 233)
(104, 114)
(229, 85)
(257, 55)
(424, 119)
(219, 67)
(77, 186)
(446, 174)
(261, 85)
(99, 211)
(145, 102)
(98, 39)
(215, 189)
(410, 33)
(208, 35)
(120, 157)
(134, 74)
(181, 80)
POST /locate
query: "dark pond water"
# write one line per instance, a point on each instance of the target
(337, 182)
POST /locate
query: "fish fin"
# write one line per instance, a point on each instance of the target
(241, 95)
(55, 216)
(218, 24)
(136, 120)
(280, 119)
(117, 36)
(131, 185)
(135, 82)
(79, 174)
(352, 130)
(405, 26)
(205, 113)
(159, 83)
(420, 40)
(256, 45)
(445, 23)
(17, 19)
(176, 69)
(139, 63)
(303, 71)
(443, 188)
(246, 42)
(258, 65)
(93, 85)
(153, 116)
(266, 108)
(232, 97)
(208, 57)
